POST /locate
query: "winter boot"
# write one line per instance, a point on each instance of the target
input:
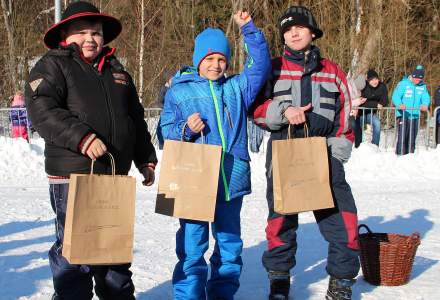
(279, 285)
(339, 289)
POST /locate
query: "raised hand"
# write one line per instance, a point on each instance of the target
(241, 18)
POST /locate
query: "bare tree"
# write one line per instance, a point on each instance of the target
(141, 51)
(158, 36)
(10, 31)
(356, 22)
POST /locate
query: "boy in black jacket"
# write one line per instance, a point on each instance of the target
(83, 103)
(376, 94)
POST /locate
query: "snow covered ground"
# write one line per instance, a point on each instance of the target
(393, 194)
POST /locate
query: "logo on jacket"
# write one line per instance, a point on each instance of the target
(121, 78)
(34, 84)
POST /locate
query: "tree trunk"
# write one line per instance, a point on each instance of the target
(356, 22)
(241, 46)
(10, 31)
(141, 53)
(372, 41)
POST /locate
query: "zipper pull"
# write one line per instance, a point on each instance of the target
(306, 54)
(228, 116)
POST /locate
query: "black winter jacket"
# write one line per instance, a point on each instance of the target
(68, 99)
(375, 95)
(437, 97)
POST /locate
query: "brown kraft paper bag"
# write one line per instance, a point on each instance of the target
(99, 225)
(301, 175)
(188, 180)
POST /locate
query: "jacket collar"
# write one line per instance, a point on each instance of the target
(98, 62)
(190, 74)
(309, 60)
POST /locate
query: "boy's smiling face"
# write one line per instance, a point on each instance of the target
(298, 37)
(213, 66)
(88, 36)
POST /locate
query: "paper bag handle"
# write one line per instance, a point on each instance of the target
(112, 161)
(183, 133)
(306, 131)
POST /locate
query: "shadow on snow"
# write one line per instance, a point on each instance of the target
(311, 261)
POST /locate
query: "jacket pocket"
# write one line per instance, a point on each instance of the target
(283, 91)
(329, 94)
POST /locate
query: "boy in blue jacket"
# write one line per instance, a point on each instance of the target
(410, 97)
(202, 98)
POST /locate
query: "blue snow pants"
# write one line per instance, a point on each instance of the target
(190, 278)
(74, 282)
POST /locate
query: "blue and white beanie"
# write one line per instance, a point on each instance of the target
(419, 72)
(210, 41)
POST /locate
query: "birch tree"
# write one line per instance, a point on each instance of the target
(372, 40)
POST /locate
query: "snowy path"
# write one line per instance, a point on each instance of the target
(393, 195)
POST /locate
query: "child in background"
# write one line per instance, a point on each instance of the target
(410, 97)
(18, 117)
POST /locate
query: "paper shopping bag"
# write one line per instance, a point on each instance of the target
(188, 180)
(99, 223)
(301, 175)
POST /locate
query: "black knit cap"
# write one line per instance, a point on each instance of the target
(371, 74)
(111, 26)
(298, 15)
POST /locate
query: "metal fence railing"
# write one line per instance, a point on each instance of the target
(388, 134)
(8, 115)
(14, 122)
(152, 116)
(435, 127)
(413, 124)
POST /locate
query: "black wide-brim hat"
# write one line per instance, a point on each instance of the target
(111, 26)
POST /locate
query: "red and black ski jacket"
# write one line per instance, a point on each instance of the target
(298, 79)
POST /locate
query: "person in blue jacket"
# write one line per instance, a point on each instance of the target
(410, 97)
(437, 104)
(202, 98)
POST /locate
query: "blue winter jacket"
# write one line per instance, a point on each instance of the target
(225, 101)
(412, 96)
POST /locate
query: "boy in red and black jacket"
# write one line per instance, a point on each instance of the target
(307, 88)
(83, 103)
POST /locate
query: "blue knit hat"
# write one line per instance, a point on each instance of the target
(419, 72)
(210, 41)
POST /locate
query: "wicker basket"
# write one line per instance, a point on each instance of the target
(387, 258)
